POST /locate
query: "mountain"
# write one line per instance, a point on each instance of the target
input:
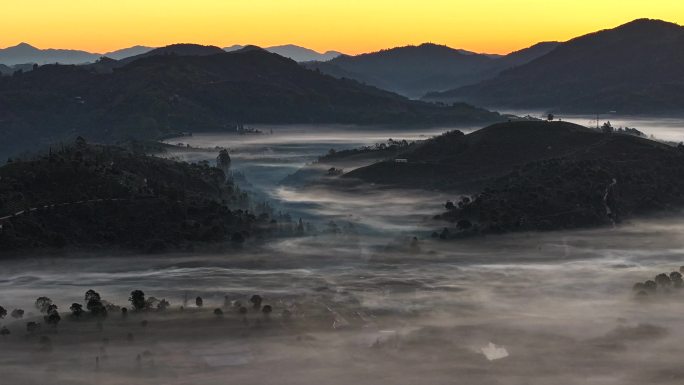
(176, 49)
(165, 94)
(301, 54)
(415, 70)
(633, 69)
(94, 196)
(410, 70)
(526, 55)
(294, 52)
(25, 53)
(128, 52)
(538, 175)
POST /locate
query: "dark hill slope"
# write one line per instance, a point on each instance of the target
(617, 178)
(97, 196)
(165, 94)
(634, 68)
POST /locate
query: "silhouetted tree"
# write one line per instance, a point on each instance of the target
(218, 312)
(76, 310)
(3, 312)
(267, 309)
(4, 331)
(137, 299)
(32, 327)
(256, 301)
(549, 117)
(663, 281)
(92, 294)
(450, 205)
(163, 305)
(650, 286)
(53, 318)
(43, 303)
(199, 302)
(464, 224)
(97, 308)
(676, 279)
(17, 313)
(223, 160)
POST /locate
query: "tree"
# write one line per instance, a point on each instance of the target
(676, 279)
(464, 224)
(223, 160)
(607, 128)
(218, 312)
(43, 303)
(17, 313)
(549, 117)
(96, 308)
(199, 302)
(4, 331)
(256, 301)
(76, 310)
(137, 299)
(663, 281)
(53, 318)
(32, 327)
(3, 312)
(450, 205)
(92, 294)
(163, 305)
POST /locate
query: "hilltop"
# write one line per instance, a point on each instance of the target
(632, 69)
(163, 94)
(539, 175)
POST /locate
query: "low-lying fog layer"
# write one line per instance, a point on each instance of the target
(367, 305)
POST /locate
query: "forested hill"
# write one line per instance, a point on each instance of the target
(94, 196)
(159, 95)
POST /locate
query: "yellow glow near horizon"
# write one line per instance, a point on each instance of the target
(350, 26)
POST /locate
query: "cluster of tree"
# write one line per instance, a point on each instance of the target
(391, 148)
(662, 284)
(607, 128)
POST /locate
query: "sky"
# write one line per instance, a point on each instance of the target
(349, 26)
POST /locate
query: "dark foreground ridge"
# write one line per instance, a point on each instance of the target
(535, 175)
(94, 196)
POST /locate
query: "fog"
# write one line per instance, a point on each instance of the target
(367, 304)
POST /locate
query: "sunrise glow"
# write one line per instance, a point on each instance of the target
(351, 26)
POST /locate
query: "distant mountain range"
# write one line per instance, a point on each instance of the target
(415, 70)
(635, 68)
(195, 88)
(25, 53)
(294, 52)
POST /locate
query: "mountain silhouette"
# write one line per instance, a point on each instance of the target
(634, 68)
(26, 53)
(415, 70)
(166, 93)
(294, 52)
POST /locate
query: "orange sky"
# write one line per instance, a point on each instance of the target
(350, 26)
